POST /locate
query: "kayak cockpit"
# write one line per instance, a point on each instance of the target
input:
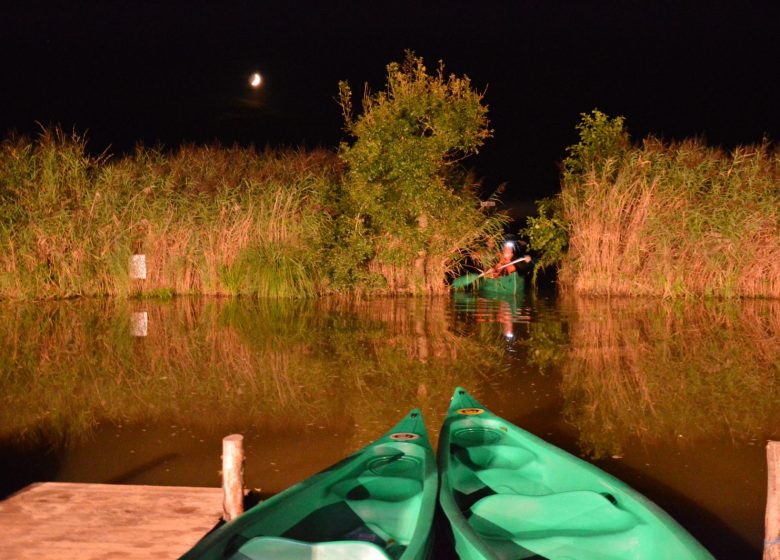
(263, 548)
(376, 504)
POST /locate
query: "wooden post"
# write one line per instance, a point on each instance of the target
(772, 519)
(232, 476)
(138, 267)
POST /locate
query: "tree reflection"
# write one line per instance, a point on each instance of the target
(233, 364)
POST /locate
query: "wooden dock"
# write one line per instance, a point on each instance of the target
(57, 520)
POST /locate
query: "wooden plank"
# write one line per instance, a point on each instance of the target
(112, 521)
(772, 519)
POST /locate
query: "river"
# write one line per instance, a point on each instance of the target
(677, 399)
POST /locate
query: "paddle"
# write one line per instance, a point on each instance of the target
(470, 278)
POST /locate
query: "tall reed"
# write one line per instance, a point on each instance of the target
(210, 220)
(666, 218)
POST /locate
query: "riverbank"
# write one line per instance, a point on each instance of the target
(670, 219)
(210, 220)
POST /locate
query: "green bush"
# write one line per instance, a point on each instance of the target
(405, 191)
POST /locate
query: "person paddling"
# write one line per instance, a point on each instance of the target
(505, 264)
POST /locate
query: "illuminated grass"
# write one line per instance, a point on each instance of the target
(210, 220)
(664, 219)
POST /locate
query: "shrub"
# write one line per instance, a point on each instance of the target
(405, 191)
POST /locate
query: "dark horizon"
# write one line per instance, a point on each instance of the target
(177, 73)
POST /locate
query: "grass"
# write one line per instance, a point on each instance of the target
(671, 219)
(211, 220)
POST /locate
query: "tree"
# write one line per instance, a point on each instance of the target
(405, 188)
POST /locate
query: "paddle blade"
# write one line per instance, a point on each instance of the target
(462, 282)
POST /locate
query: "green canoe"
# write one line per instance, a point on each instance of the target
(377, 504)
(503, 285)
(510, 495)
(509, 284)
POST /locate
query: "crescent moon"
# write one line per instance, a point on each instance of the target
(255, 80)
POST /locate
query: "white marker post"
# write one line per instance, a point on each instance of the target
(138, 267)
(772, 520)
(232, 476)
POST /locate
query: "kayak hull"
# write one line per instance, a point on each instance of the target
(509, 284)
(510, 494)
(376, 504)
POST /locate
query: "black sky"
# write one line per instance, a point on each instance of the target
(176, 71)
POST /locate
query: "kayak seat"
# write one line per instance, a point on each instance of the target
(389, 506)
(579, 513)
(390, 489)
(275, 548)
(499, 456)
(392, 521)
(529, 481)
(502, 468)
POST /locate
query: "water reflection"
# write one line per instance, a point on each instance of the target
(509, 313)
(629, 369)
(659, 371)
(222, 365)
(675, 399)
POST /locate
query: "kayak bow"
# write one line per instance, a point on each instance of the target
(511, 495)
(377, 504)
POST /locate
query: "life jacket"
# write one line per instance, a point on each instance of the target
(507, 269)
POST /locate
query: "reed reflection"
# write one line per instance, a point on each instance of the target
(222, 365)
(654, 370)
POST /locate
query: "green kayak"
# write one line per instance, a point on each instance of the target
(503, 285)
(377, 504)
(509, 284)
(510, 495)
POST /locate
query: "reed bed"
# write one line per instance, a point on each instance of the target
(210, 219)
(671, 219)
(650, 370)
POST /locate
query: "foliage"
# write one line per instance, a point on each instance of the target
(602, 139)
(210, 220)
(396, 213)
(547, 233)
(404, 191)
(670, 219)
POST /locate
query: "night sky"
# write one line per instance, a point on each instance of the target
(177, 71)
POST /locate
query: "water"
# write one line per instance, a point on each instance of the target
(678, 399)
